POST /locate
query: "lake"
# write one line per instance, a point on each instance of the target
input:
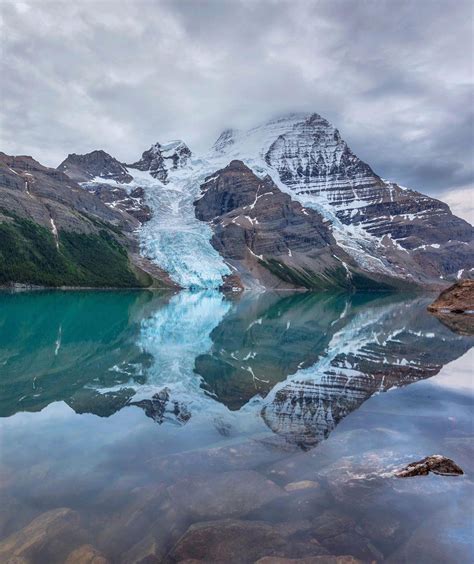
(148, 427)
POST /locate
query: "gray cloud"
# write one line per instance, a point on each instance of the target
(394, 77)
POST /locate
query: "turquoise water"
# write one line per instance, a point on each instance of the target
(192, 426)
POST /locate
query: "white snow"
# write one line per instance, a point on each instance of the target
(54, 231)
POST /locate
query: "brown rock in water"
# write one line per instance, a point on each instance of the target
(458, 298)
(436, 463)
(228, 541)
(48, 538)
(232, 283)
(462, 324)
(86, 554)
(229, 494)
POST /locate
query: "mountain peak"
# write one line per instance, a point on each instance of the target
(160, 159)
(97, 163)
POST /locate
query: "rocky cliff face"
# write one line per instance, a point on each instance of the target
(159, 160)
(94, 165)
(386, 228)
(269, 238)
(100, 173)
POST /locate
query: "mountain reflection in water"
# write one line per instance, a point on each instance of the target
(189, 427)
(302, 362)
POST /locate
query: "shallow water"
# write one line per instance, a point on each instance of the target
(191, 426)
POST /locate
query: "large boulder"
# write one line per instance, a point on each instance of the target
(458, 298)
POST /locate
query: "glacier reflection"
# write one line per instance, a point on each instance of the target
(289, 367)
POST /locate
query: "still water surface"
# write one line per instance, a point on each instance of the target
(165, 428)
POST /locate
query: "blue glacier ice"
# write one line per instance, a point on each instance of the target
(174, 239)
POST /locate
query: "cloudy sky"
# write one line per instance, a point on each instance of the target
(395, 77)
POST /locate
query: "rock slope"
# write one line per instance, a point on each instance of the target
(269, 239)
(55, 233)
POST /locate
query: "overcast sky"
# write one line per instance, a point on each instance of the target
(395, 77)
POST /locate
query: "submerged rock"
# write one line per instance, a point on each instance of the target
(310, 560)
(228, 541)
(46, 539)
(228, 494)
(86, 554)
(462, 324)
(436, 463)
(302, 485)
(237, 541)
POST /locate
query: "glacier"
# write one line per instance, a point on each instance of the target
(173, 238)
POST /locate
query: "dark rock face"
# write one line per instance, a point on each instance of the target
(83, 168)
(131, 203)
(267, 237)
(436, 463)
(88, 170)
(159, 159)
(458, 298)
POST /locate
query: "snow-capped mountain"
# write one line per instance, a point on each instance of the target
(202, 230)
(159, 160)
(384, 227)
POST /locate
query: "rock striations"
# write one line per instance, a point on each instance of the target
(270, 239)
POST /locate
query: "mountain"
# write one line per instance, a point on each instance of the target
(267, 237)
(97, 164)
(384, 227)
(363, 357)
(103, 175)
(283, 205)
(55, 233)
